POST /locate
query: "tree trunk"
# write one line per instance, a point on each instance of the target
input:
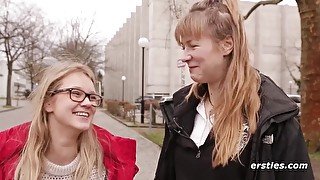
(31, 80)
(310, 71)
(32, 85)
(8, 103)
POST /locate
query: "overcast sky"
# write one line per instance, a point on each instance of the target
(109, 15)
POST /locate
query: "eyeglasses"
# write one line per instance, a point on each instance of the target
(78, 95)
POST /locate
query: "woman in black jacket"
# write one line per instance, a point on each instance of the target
(232, 123)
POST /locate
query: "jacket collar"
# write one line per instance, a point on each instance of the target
(185, 109)
(183, 105)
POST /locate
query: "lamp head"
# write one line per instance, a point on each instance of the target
(143, 42)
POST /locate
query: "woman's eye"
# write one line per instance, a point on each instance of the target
(76, 93)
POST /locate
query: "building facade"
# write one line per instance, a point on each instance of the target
(273, 33)
(18, 82)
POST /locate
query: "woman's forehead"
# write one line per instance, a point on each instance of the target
(191, 38)
(79, 79)
(188, 38)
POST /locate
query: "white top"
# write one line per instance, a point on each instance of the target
(54, 172)
(202, 126)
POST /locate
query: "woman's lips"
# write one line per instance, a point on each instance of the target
(192, 67)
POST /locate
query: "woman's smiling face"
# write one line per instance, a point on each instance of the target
(205, 59)
(62, 110)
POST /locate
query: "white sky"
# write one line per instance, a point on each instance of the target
(109, 15)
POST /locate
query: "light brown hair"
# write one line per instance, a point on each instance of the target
(238, 100)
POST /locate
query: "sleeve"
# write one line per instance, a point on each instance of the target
(291, 149)
(128, 157)
(119, 155)
(11, 143)
(3, 139)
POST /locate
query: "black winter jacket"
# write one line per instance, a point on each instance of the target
(278, 137)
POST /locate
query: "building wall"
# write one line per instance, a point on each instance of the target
(273, 34)
(17, 80)
(3, 79)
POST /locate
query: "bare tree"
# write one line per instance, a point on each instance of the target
(16, 25)
(259, 4)
(40, 42)
(178, 8)
(296, 80)
(79, 46)
(310, 69)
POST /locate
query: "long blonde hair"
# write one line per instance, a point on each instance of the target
(31, 162)
(238, 100)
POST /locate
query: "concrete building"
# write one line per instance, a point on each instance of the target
(273, 33)
(17, 82)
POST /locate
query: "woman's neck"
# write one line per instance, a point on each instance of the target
(63, 146)
(61, 151)
(210, 99)
(212, 92)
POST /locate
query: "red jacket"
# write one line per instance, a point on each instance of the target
(119, 153)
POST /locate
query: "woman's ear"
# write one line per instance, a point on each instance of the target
(48, 106)
(226, 45)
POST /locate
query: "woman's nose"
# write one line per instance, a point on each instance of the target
(182, 61)
(186, 57)
(86, 102)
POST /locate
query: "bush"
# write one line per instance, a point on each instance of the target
(113, 106)
(120, 108)
(154, 102)
(127, 108)
(26, 93)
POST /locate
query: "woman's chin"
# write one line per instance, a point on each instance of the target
(82, 126)
(197, 78)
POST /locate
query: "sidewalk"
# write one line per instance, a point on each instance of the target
(14, 103)
(147, 151)
(2, 109)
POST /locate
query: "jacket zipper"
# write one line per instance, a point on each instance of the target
(184, 134)
(198, 154)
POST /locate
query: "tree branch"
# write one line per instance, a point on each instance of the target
(258, 4)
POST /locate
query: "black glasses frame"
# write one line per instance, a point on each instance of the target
(89, 95)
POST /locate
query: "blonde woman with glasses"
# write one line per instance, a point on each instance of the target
(232, 123)
(61, 142)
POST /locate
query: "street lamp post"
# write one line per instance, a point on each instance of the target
(290, 87)
(143, 42)
(100, 75)
(123, 78)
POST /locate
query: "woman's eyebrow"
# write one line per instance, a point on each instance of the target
(78, 87)
(191, 41)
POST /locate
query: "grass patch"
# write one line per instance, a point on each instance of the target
(155, 135)
(315, 156)
(5, 106)
(156, 138)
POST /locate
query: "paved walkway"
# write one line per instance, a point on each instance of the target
(147, 152)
